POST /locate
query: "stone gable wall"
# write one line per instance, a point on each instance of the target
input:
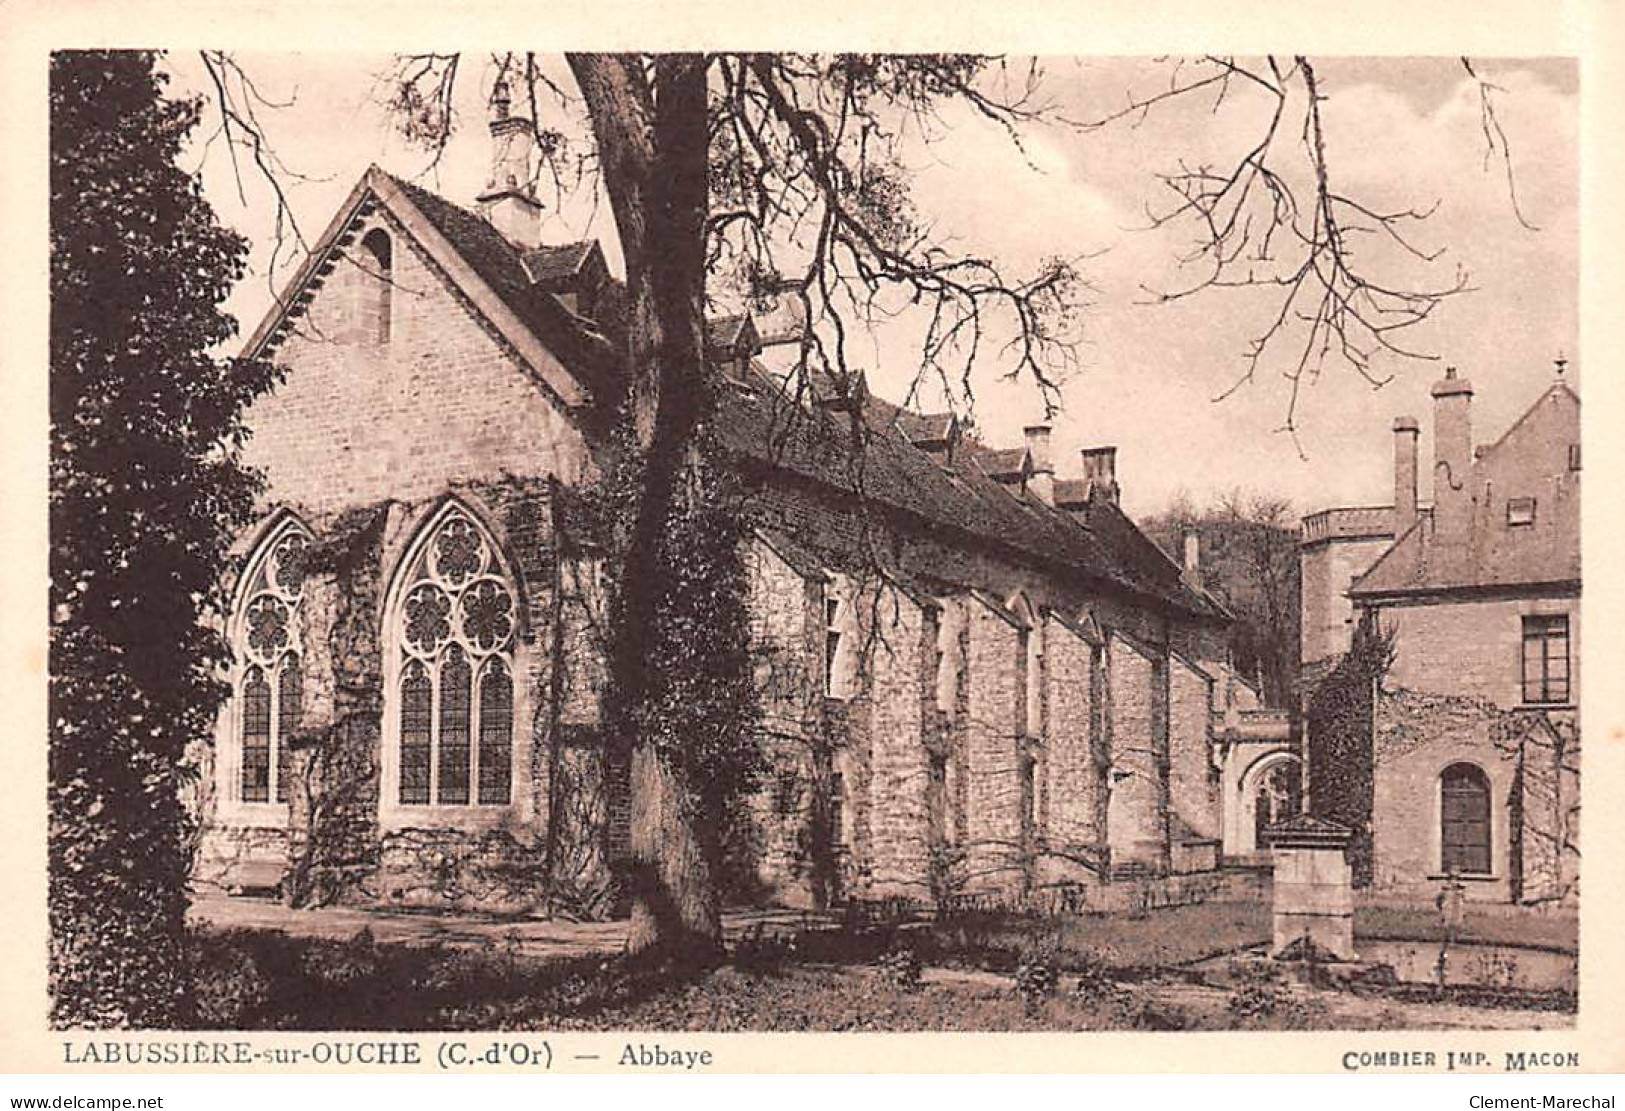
(356, 421)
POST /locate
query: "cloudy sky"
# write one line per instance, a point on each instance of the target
(1400, 132)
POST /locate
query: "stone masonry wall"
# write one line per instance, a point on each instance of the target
(333, 800)
(1135, 828)
(1547, 754)
(1416, 737)
(1327, 614)
(358, 421)
(992, 796)
(1472, 648)
(1192, 783)
(1074, 781)
(895, 802)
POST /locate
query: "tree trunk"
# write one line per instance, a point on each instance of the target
(652, 142)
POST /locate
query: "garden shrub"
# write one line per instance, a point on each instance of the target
(1095, 983)
(1036, 978)
(229, 989)
(1254, 1001)
(346, 963)
(1154, 1014)
(900, 966)
(760, 951)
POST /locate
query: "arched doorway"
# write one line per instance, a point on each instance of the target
(1277, 797)
(1271, 792)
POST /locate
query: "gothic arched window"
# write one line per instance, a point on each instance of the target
(268, 648)
(454, 629)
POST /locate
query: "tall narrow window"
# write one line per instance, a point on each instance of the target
(832, 644)
(1030, 648)
(936, 800)
(496, 734)
(416, 714)
(454, 629)
(1027, 768)
(1464, 797)
(270, 688)
(256, 737)
(454, 721)
(377, 287)
(1546, 658)
(289, 696)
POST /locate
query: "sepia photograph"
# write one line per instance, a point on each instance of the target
(746, 542)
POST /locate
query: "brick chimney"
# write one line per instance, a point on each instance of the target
(1100, 472)
(1193, 558)
(1406, 431)
(1041, 480)
(1452, 455)
(509, 203)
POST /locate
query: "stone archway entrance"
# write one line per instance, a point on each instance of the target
(1271, 791)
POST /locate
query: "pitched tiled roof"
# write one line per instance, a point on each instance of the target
(1493, 554)
(800, 559)
(811, 442)
(1096, 543)
(723, 333)
(1002, 463)
(549, 265)
(1070, 492)
(499, 265)
(924, 428)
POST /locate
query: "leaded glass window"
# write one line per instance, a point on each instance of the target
(454, 632)
(270, 683)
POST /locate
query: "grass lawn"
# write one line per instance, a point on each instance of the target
(1422, 923)
(1158, 939)
(1107, 973)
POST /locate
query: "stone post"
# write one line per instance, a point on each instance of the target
(1314, 889)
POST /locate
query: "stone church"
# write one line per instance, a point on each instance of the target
(1019, 692)
(1473, 730)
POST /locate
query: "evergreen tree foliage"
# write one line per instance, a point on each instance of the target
(1340, 722)
(146, 492)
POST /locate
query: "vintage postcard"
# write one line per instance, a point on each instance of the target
(1054, 536)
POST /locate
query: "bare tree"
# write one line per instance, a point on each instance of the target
(1333, 268)
(1249, 562)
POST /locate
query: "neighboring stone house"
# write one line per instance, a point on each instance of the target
(1474, 726)
(976, 676)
